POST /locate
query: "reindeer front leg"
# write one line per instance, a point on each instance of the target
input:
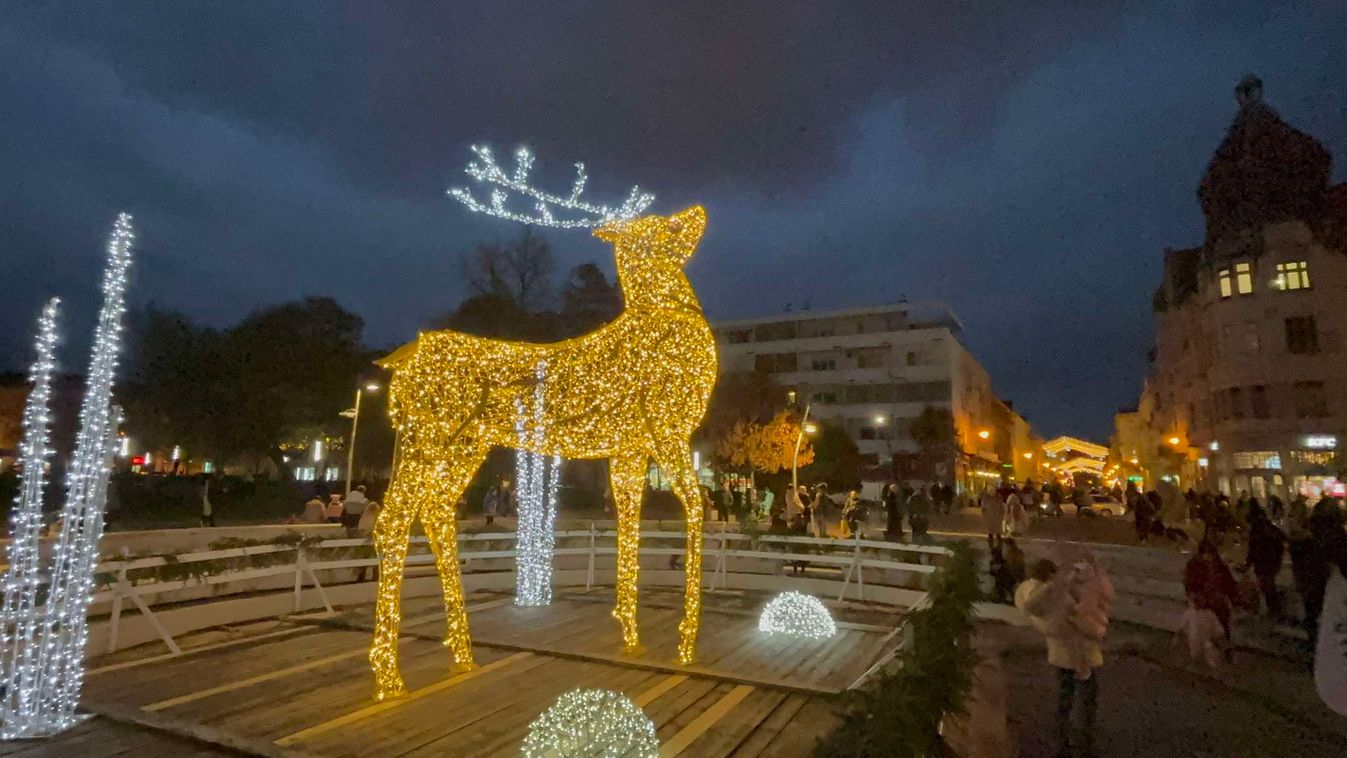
(626, 477)
(441, 527)
(676, 460)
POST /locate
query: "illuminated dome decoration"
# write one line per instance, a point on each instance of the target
(797, 615)
(592, 722)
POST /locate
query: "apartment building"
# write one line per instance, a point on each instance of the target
(872, 371)
(1247, 388)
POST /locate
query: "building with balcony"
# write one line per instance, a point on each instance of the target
(1247, 387)
(873, 371)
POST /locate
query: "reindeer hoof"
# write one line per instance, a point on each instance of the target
(391, 693)
(634, 649)
(464, 667)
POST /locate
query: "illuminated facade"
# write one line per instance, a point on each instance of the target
(1246, 390)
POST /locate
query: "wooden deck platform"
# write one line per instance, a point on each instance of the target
(304, 685)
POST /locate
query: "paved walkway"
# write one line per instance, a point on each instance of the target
(1155, 702)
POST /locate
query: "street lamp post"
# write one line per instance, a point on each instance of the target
(805, 428)
(355, 426)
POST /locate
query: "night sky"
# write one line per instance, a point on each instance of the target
(1025, 162)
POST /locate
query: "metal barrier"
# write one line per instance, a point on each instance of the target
(306, 561)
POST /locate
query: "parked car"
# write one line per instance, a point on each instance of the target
(1099, 505)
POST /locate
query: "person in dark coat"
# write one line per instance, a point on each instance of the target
(919, 516)
(1313, 558)
(893, 526)
(1210, 586)
(1266, 549)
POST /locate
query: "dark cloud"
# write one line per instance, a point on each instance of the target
(1025, 162)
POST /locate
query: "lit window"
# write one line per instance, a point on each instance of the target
(1294, 275)
(1262, 459)
(1244, 278)
(790, 397)
(824, 364)
(1224, 278)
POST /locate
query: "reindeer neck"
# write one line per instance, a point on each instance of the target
(658, 288)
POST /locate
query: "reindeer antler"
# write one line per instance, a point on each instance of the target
(485, 170)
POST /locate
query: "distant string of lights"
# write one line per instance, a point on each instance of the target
(19, 702)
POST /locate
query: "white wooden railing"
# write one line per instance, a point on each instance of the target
(908, 564)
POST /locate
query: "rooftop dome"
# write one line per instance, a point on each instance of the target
(1264, 171)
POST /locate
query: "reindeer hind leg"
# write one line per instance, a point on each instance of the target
(676, 460)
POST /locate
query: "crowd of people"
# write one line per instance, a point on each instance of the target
(355, 512)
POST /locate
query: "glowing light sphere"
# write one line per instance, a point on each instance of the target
(592, 723)
(796, 614)
(634, 389)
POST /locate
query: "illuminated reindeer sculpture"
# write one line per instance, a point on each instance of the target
(630, 391)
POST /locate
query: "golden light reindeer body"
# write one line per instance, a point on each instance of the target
(630, 391)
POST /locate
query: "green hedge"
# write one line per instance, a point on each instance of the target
(898, 712)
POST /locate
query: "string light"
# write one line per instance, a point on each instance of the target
(796, 614)
(64, 631)
(485, 170)
(632, 390)
(18, 703)
(592, 722)
(536, 478)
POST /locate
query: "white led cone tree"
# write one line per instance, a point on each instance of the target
(18, 619)
(62, 625)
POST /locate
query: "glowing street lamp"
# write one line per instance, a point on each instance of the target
(1174, 441)
(354, 413)
(985, 434)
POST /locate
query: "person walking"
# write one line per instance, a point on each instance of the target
(919, 516)
(1210, 586)
(993, 514)
(1046, 599)
(1143, 513)
(491, 503)
(1328, 549)
(332, 512)
(893, 516)
(1266, 549)
(352, 508)
(207, 512)
(821, 510)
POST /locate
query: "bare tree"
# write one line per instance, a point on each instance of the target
(521, 272)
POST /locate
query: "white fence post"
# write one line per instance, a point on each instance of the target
(589, 575)
(116, 617)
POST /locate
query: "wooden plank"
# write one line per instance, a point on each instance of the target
(178, 677)
(815, 719)
(645, 697)
(253, 680)
(364, 713)
(689, 734)
(725, 736)
(194, 651)
(768, 728)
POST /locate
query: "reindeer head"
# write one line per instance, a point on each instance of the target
(665, 239)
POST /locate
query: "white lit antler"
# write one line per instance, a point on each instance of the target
(485, 170)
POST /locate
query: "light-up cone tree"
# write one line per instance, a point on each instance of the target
(18, 619)
(62, 629)
(536, 477)
(632, 390)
